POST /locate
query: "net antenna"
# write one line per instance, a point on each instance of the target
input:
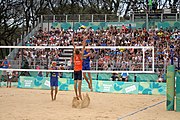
(143, 49)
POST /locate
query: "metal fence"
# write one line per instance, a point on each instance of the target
(134, 17)
(81, 18)
(158, 17)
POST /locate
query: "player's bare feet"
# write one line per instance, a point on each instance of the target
(76, 103)
(80, 97)
(54, 98)
(91, 89)
(77, 97)
(89, 86)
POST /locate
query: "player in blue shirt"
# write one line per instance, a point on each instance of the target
(86, 66)
(54, 80)
(5, 63)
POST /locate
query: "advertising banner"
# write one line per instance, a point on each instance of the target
(117, 87)
(98, 85)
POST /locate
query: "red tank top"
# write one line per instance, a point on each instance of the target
(77, 62)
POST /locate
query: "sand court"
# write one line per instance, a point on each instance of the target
(30, 104)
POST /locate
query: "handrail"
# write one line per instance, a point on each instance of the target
(103, 17)
(13, 53)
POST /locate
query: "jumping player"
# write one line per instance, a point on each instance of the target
(86, 66)
(78, 58)
(54, 80)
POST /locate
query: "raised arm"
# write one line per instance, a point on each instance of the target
(84, 44)
(73, 45)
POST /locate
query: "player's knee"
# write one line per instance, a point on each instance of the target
(79, 81)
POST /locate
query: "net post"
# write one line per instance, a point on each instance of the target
(143, 58)
(170, 88)
(92, 18)
(66, 18)
(34, 63)
(54, 18)
(79, 18)
(153, 59)
(96, 64)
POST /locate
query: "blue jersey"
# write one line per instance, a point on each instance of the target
(54, 74)
(86, 62)
(87, 59)
(5, 64)
(54, 78)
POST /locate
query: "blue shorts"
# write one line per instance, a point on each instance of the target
(86, 67)
(78, 75)
(54, 82)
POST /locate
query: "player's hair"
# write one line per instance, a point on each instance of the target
(77, 51)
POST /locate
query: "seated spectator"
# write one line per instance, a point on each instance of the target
(40, 73)
(124, 77)
(114, 77)
(124, 36)
(160, 79)
(62, 67)
(100, 64)
(69, 64)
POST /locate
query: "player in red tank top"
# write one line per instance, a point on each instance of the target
(77, 61)
(78, 58)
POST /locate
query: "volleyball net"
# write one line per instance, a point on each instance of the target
(103, 59)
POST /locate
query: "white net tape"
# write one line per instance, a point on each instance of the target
(144, 59)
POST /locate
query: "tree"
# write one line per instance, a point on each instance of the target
(10, 20)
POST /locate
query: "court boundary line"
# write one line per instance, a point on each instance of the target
(142, 109)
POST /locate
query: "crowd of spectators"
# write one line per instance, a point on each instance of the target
(107, 59)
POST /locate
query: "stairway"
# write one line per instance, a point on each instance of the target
(65, 56)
